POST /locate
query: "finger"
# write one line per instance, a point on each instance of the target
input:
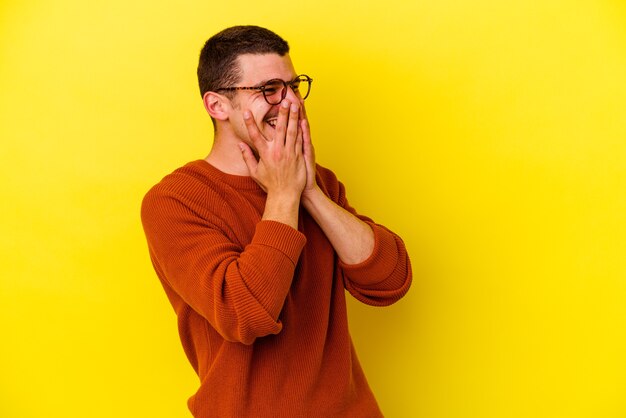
(248, 157)
(299, 141)
(281, 123)
(255, 134)
(303, 112)
(307, 146)
(303, 116)
(292, 127)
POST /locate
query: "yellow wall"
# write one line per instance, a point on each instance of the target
(490, 135)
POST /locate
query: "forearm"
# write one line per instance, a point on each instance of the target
(352, 239)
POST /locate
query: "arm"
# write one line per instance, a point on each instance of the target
(374, 262)
(352, 239)
(239, 288)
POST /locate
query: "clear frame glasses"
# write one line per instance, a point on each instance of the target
(274, 91)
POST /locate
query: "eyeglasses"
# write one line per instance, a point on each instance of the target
(275, 91)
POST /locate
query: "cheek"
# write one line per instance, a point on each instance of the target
(259, 108)
(238, 125)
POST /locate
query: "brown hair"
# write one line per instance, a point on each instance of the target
(218, 67)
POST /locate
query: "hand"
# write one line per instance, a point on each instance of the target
(281, 168)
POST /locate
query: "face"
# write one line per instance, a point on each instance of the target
(256, 70)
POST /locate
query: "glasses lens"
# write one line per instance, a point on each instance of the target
(273, 91)
(301, 86)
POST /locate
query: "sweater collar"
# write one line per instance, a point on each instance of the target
(237, 182)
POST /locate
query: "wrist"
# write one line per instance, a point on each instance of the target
(311, 196)
(282, 207)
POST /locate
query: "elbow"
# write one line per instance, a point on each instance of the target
(387, 292)
(249, 336)
(246, 330)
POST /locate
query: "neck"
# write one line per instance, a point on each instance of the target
(226, 156)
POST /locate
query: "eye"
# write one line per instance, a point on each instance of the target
(272, 88)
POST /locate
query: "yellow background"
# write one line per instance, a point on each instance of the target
(490, 135)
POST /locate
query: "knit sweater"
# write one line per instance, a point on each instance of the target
(260, 305)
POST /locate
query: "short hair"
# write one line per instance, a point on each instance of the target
(217, 66)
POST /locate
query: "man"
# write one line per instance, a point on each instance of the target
(256, 244)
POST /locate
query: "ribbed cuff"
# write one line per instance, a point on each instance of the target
(280, 236)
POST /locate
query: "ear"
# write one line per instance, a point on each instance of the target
(216, 105)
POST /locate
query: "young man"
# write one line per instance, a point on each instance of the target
(256, 244)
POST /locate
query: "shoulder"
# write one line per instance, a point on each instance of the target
(184, 180)
(190, 186)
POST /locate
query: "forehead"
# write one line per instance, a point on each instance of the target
(256, 68)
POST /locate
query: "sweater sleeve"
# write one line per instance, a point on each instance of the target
(385, 276)
(240, 291)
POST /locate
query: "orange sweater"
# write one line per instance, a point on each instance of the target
(261, 306)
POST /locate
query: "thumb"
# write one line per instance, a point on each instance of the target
(248, 157)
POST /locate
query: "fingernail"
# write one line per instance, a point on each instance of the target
(285, 104)
(241, 147)
(247, 114)
(294, 107)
